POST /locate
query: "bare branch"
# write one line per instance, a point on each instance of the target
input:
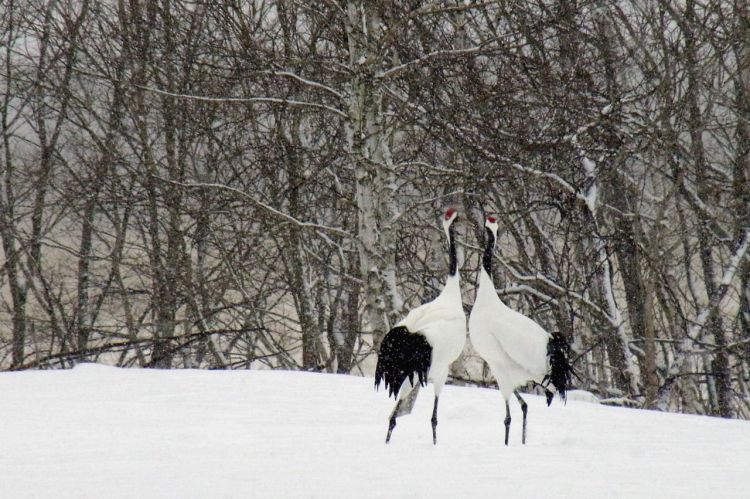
(245, 100)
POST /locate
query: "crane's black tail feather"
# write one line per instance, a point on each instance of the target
(402, 354)
(560, 373)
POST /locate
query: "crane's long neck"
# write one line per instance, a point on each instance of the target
(487, 256)
(452, 256)
(486, 293)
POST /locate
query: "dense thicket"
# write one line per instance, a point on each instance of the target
(241, 184)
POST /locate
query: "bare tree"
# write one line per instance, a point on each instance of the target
(255, 184)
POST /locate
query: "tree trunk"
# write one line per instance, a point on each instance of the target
(719, 366)
(347, 340)
(367, 144)
(741, 178)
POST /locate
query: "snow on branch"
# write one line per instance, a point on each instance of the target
(557, 179)
(523, 288)
(564, 184)
(702, 208)
(309, 83)
(737, 257)
(246, 100)
(396, 70)
(441, 8)
(700, 320)
(270, 209)
(560, 290)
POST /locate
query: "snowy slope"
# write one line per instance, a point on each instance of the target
(103, 432)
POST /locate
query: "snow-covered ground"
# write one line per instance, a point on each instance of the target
(102, 432)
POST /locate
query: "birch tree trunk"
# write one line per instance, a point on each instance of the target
(741, 177)
(12, 266)
(367, 146)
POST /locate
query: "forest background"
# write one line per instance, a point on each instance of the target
(234, 184)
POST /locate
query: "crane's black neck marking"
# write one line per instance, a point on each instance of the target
(453, 258)
(487, 256)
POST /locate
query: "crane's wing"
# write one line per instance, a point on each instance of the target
(523, 340)
(431, 314)
(402, 354)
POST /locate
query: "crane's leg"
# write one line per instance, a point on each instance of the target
(434, 421)
(524, 409)
(507, 421)
(406, 398)
(392, 422)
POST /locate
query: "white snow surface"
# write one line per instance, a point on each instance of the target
(97, 431)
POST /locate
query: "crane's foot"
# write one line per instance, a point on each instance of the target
(391, 426)
(549, 396)
(392, 421)
(507, 429)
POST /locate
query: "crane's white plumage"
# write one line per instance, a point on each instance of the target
(516, 349)
(425, 342)
(443, 324)
(514, 346)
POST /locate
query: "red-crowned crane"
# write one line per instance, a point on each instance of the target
(516, 348)
(425, 342)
